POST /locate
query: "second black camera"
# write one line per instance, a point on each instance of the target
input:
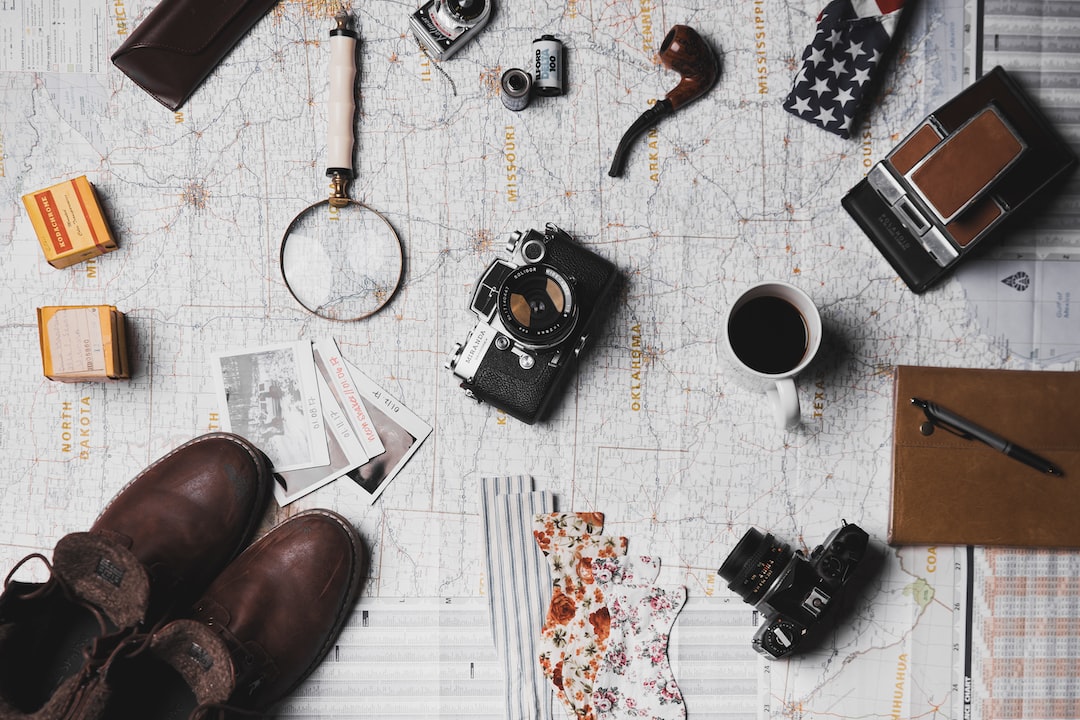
(791, 590)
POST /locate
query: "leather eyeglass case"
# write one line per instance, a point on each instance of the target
(180, 42)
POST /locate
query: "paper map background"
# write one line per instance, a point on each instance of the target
(729, 191)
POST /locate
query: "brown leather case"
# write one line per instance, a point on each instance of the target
(950, 491)
(180, 42)
(958, 171)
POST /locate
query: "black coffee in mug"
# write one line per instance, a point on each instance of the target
(768, 334)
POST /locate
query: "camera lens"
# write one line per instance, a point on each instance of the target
(465, 10)
(536, 305)
(754, 565)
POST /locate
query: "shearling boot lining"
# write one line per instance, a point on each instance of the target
(105, 573)
(200, 656)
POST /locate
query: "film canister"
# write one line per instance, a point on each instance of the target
(548, 70)
(516, 89)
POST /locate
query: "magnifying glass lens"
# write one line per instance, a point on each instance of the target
(341, 261)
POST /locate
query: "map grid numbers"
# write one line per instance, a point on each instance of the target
(1024, 631)
(1027, 635)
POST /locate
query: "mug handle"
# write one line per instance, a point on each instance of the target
(785, 403)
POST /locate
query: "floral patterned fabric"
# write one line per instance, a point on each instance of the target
(640, 570)
(604, 639)
(580, 671)
(635, 678)
(565, 527)
(574, 635)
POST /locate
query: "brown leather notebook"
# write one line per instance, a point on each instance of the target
(947, 490)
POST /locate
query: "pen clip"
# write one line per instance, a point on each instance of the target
(932, 421)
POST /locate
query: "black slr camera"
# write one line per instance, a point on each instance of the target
(536, 311)
(791, 590)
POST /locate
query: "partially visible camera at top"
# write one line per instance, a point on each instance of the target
(443, 26)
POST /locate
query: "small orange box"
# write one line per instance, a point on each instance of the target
(69, 223)
(82, 342)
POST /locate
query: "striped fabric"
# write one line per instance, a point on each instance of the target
(519, 589)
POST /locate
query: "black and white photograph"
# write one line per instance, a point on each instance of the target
(270, 396)
(346, 454)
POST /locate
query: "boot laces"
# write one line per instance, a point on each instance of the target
(90, 653)
(139, 643)
(56, 582)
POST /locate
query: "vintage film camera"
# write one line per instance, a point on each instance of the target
(791, 590)
(536, 312)
(965, 173)
(443, 26)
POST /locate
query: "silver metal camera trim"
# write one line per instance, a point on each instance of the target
(519, 242)
(816, 601)
(932, 240)
(465, 359)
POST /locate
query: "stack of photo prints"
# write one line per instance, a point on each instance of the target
(316, 416)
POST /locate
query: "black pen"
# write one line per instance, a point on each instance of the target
(949, 420)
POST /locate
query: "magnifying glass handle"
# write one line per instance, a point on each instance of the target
(339, 140)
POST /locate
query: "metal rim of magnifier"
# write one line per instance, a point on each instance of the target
(342, 202)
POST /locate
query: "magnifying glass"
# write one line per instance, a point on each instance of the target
(341, 259)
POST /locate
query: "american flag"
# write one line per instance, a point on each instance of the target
(837, 76)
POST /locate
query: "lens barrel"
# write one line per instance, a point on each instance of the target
(754, 565)
(537, 306)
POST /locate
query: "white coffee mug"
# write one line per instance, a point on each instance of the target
(771, 333)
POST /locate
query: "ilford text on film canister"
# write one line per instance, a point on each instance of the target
(515, 88)
(548, 70)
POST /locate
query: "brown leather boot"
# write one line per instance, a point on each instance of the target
(158, 544)
(259, 630)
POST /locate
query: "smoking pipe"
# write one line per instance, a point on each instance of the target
(683, 51)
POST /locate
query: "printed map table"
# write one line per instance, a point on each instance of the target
(729, 191)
